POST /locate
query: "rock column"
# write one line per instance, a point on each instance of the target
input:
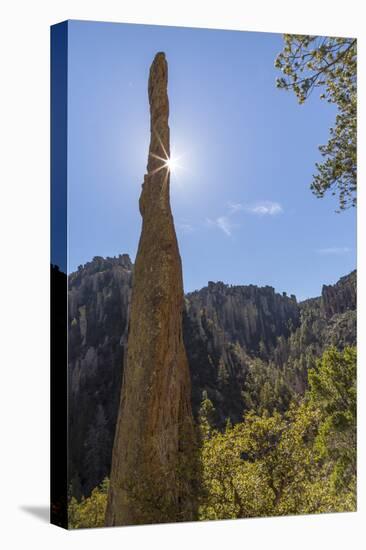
(153, 460)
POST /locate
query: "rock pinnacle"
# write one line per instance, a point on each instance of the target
(151, 475)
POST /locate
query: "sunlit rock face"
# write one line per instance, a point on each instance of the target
(340, 297)
(151, 469)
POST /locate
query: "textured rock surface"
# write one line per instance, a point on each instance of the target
(154, 434)
(99, 295)
(340, 297)
(250, 314)
(224, 327)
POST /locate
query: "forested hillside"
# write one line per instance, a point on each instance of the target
(249, 349)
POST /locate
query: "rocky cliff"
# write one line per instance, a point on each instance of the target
(224, 327)
(241, 342)
(340, 297)
(99, 296)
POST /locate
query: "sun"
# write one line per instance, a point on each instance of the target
(172, 164)
(168, 162)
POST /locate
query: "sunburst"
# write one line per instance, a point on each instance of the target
(169, 162)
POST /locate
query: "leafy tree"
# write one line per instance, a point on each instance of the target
(302, 460)
(265, 388)
(268, 465)
(333, 390)
(89, 512)
(329, 63)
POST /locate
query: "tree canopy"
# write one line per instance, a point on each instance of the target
(329, 63)
(332, 388)
(298, 462)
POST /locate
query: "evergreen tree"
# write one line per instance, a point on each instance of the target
(206, 417)
(310, 62)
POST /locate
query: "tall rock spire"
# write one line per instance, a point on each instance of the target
(152, 468)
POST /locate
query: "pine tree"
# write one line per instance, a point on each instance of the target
(206, 417)
(329, 63)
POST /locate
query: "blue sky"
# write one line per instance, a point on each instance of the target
(241, 201)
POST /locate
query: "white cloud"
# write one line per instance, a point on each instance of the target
(333, 250)
(223, 223)
(235, 207)
(266, 208)
(260, 208)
